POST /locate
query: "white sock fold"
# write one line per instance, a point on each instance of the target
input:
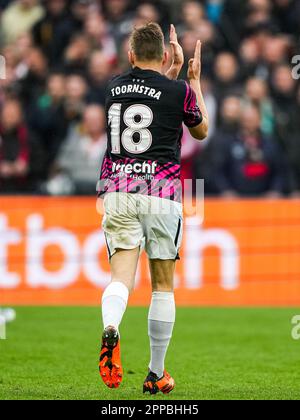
(161, 321)
(114, 303)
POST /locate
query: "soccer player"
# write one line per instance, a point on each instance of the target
(140, 182)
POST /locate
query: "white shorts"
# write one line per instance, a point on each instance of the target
(136, 220)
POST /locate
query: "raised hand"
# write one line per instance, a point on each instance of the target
(194, 70)
(177, 51)
(194, 74)
(177, 55)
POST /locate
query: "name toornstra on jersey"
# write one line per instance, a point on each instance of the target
(135, 88)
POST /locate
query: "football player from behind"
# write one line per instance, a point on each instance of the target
(140, 184)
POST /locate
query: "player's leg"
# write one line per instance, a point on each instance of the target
(161, 316)
(114, 303)
(163, 234)
(161, 321)
(124, 235)
(115, 297)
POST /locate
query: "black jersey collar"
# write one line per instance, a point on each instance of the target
(137, 71)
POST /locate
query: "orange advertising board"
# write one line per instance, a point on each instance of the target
(52, 252)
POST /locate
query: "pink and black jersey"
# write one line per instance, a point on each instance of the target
(145, 112)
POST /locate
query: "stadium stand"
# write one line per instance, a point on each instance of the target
(61, 54)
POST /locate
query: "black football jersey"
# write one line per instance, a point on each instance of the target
(145, 112)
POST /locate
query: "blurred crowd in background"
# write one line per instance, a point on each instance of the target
(60, 56)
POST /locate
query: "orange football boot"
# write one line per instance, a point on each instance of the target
(153, 384)
(110, 366)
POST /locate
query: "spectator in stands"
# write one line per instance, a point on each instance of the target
(100, 36)
(226, 74)
(147, 12)
(116, 11)
(18, 18)
(100, 72)
(193, 14)
(249, 53)
(275, 50)
(196, 157)
(81, 155)
(34, 79)
(22, 48)
(47, 119)
(250, 164)
(194, 25)
(209, 158)
(77, 54)
(75, 101)
(232, 23)
(230, 116)
(257, 93)
(259, 10)
(284, 89)
(53, 32)
(60, 55)
(14, 149)
(80, 10)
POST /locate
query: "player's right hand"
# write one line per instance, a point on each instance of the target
(176, 48)
(194, 69)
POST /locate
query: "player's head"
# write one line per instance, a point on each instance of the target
(147, 45)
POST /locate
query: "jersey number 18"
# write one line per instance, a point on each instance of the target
(137, 119)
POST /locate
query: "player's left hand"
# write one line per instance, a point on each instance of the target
(194, 69)
(176, 49)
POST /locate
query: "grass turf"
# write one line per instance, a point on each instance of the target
(51, 353)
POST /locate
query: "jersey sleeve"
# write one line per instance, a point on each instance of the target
(192, 113)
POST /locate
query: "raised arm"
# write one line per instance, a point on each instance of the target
(177, 56)
(199, 132)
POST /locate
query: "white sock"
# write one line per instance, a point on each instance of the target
(114, 303)
(160, 326)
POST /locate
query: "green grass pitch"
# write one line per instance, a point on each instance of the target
(52, 353)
